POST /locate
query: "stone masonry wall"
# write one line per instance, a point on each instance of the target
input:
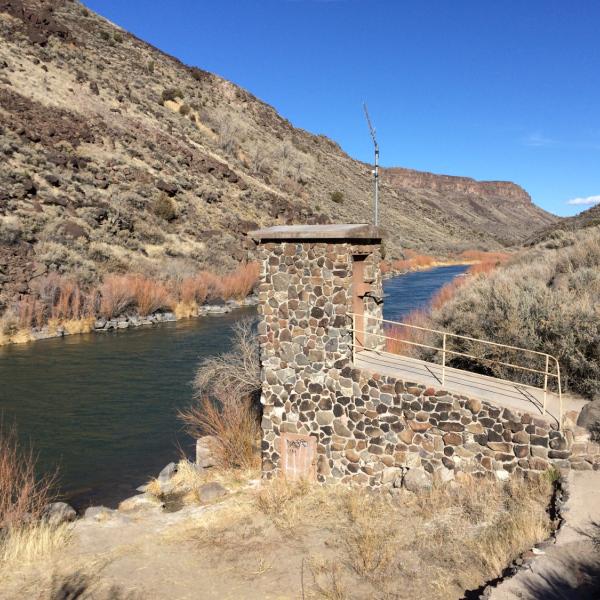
(305, 295)
(372, 429)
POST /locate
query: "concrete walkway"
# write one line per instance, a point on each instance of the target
(499, 392)
(569, 569)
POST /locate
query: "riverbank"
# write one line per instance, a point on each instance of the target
(123, 322)
(423, 262)
(55, 305)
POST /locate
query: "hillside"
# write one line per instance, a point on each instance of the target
(560, 229)
(119, 158)
(500, 209)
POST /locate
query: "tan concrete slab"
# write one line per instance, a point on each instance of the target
(499, 392)
(339, 231)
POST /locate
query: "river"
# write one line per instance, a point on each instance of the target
(102, 408)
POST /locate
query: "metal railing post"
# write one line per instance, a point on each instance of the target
(353, 337)
(444, 360)
(445, 350)
(546, 382)
(560, 406)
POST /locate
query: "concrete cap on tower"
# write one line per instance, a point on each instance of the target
(341, 231)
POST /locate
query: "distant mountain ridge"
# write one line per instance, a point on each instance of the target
(119, 158)
(585, 219)
(454, 184)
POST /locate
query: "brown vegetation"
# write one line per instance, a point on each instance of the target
(234, 423)
(344, 542)
(58, 300)
(226, 405)
(23, 495)
(404, 339)
(25, 536)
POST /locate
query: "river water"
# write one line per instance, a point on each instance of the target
(102, 408)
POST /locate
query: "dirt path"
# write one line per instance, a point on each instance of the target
(569, 569)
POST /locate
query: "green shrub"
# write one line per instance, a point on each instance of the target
(546, 300)
(184, 110)
(164, 208)
(337, 197)
(171, 94)
(105, 35)
(118, 37)
(198, 74)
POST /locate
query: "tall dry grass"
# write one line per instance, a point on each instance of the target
(151, 296)
(225, 405)
(241, 282)
(57, 300)
(26, 538)
(234, 424)
(116, 295)
(23, 495)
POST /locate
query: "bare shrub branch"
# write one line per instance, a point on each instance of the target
(23, 495)
(237, 372)
(233, 423)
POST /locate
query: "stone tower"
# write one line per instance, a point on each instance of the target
(316, 281)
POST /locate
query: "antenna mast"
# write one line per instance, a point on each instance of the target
(376, 171)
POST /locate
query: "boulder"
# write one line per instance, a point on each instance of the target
(167, 473)
(141, 502)
(98, 513)
(57, 513)
(589, 417)
(211, 491)
(165, 480)
(417, 480)
(204, 453)
(389, 475)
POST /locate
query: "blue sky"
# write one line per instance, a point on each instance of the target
(490, 89)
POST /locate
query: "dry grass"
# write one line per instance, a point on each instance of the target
(23, 495)
(402, 338)
(356, 543)
(233, 421)
(117, 295)
(58, 301)
(226, 402)
(26, 539)
(241, 282)
(31, 543)
(151, 296)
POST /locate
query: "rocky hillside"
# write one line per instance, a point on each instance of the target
(555, 232)
(119, 158)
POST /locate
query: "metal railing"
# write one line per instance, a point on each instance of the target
(549, 360)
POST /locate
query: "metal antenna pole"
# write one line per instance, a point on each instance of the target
(376, 171)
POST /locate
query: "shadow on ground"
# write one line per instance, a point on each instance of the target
(576, 577)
